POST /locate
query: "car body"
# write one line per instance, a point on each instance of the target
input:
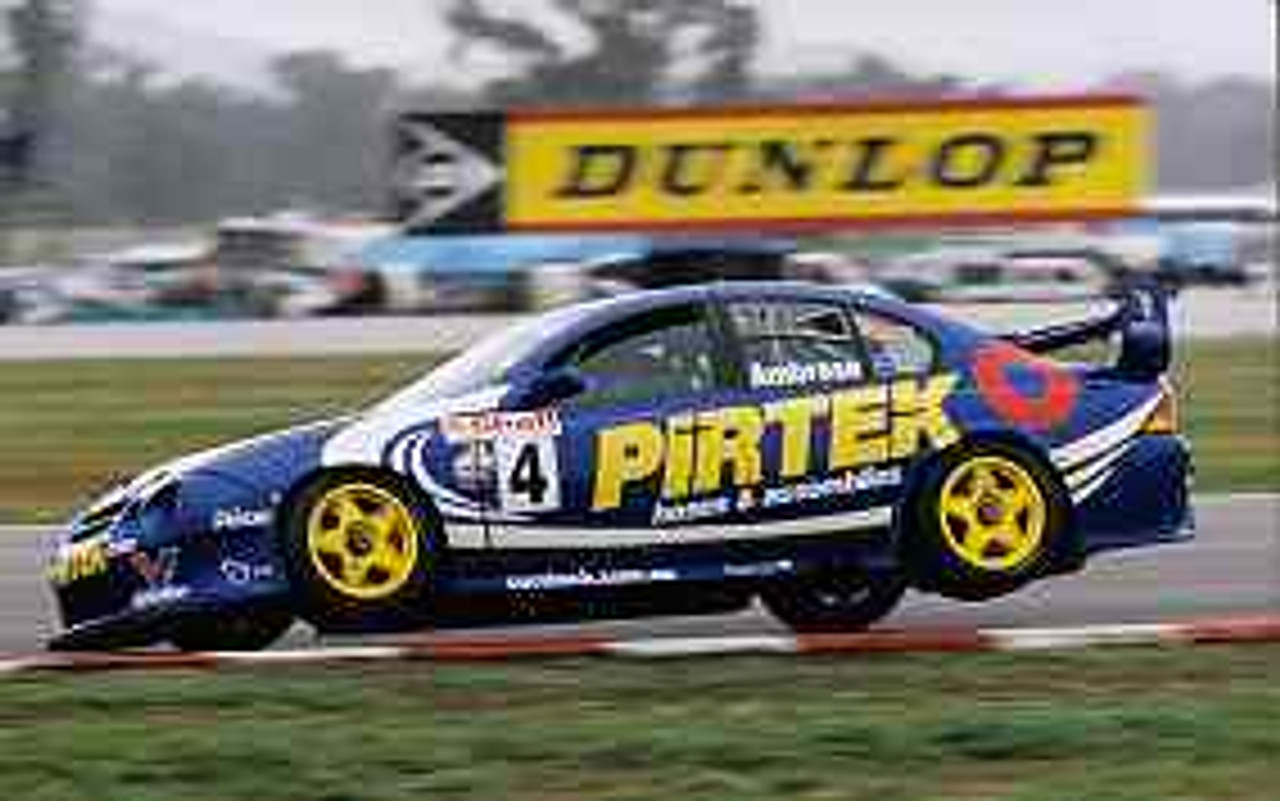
(682, 450)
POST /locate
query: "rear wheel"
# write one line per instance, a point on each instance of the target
(360, 551)
(988, 519)
(245, 630)
(846, 600)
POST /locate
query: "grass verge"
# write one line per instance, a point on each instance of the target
(69, 428)
(1171, 724)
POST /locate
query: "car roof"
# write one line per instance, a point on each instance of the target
(724, 290)
(575, 321)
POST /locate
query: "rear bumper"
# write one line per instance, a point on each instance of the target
(1145, 502)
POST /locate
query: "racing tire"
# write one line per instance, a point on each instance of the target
(986, 519)
(361, 551)
(245, 630)
(835, 601)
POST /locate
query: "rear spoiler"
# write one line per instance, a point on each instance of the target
(1141, 317)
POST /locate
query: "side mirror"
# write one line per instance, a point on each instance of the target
(553, 386)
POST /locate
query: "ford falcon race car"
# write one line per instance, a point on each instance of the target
(677, 451)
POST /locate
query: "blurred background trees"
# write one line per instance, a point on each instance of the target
(635, 51)
(37, 44)
(124, 141)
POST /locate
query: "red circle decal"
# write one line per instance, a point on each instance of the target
(1052, 407)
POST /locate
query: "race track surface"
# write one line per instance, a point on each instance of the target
(1198, 312)
(1233, 567)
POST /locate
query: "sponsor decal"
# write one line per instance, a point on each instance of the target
(706, 452)
(956, 161)
(843, 485)
(493, 425)
(749, 499)
(794, 374)
(588, 578)
(240, 573)
(78, 561)
(1043, 409)
(669, 514)
(157, 572)
(159, 596)
(236, 519)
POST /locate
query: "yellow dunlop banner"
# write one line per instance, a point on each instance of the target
(953, 162)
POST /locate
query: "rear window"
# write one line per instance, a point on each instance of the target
(895, 347)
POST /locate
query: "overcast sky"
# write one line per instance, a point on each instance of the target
(1039, 43)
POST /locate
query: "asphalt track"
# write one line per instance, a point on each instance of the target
(1233, 567)
(1198, 313)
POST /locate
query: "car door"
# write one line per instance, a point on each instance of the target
(807, 372)
(621, 443)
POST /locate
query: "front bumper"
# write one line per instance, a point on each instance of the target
(138, 628)
(114, 590)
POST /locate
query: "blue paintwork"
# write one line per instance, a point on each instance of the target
(218, 513)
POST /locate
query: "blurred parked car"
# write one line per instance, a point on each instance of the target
(1223, 239)
(289, 265)
(479, 273)
(665, 262)
(977, 274)
(140, 282)
(27, 297)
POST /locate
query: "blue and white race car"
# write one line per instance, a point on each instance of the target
(677, 451)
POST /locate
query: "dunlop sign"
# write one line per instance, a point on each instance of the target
(952, 162)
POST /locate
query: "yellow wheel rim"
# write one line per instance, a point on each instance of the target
(363, 541)
(992, 514)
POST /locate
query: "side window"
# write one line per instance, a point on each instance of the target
(896, 348)
(797, 343)
(656, 355)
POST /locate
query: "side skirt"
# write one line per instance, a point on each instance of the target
(479, 587)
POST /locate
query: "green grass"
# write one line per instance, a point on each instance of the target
(67, 429)
(1132, 724)
(1230, 393)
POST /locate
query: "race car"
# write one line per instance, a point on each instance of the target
(682, 451)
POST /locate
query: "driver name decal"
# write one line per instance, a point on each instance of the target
(705, 452)
(794, 374)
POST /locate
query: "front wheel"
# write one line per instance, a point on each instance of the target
(845, 600)
(361, 552)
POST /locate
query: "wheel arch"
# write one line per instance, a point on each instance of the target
(923, 470)
(421, 497)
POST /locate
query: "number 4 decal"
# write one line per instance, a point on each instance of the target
(530, 475)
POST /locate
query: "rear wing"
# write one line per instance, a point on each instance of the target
(1141, 318)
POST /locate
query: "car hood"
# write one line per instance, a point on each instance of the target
(281, 456)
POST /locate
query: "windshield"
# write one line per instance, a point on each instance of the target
(487, 363)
